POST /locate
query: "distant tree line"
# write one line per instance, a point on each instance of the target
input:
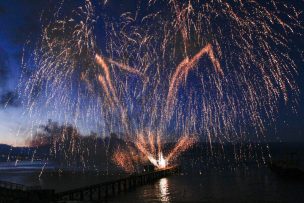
(69, 148)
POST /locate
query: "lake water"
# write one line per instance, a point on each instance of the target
(241, 185)
(207, 180)
(47, 176)
(259, 185)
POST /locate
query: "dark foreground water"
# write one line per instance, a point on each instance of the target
(241, 185)
(258, 185)
(45, 176)
(216, 178)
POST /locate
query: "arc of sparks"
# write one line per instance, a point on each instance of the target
(105, 80)
(106, 83)
(108, 87)
(182, 71)
(127, 68)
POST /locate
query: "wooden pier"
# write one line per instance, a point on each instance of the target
(111, 188)
(100, 192)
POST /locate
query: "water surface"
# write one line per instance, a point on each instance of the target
(259, 185)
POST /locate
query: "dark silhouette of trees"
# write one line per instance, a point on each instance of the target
(69, 148)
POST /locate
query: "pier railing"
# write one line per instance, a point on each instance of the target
(12, 192)
(17, 186)
(14, 186)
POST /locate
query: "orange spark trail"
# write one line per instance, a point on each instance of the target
(103, 83)
(142, 147)
(182, 71)
(108, 83)
(127, 68)
(183, 144)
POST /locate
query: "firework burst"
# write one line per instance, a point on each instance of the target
(210, 68)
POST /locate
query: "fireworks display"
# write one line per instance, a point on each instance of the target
(214, 71)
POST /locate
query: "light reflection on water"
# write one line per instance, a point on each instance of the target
(164, 190)
(156, 192)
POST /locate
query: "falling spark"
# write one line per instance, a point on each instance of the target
(42, 170)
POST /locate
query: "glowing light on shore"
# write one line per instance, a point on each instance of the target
(162, 163)
(146, 150)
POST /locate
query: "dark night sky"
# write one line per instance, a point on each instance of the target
(19, 23)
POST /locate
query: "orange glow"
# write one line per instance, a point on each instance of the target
(122, 159)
